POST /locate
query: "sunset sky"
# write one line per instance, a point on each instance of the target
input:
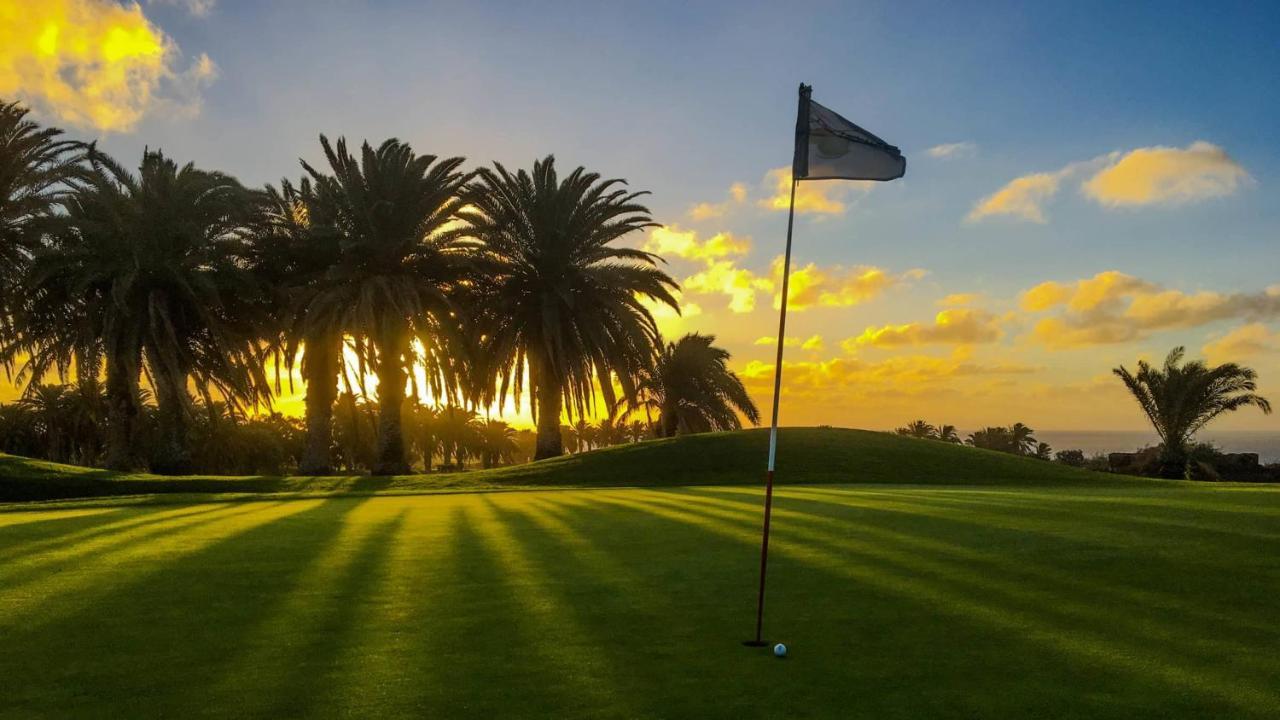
(1086, 185)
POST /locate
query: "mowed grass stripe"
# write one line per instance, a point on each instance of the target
(902, 602)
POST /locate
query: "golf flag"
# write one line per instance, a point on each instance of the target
(828, 147)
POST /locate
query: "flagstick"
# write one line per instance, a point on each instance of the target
(773, 426)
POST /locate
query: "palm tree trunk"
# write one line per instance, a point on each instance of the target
(122, 411)
(390, 456)
(321, 375)
(549, 443)
(173, 450)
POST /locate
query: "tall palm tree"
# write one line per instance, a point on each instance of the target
(150, 268)
(691, 389)
(295, 251)
(400, 260)
(560, 300)
(1181, 398)
(37, 168)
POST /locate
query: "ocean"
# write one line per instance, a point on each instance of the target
(1264, 442)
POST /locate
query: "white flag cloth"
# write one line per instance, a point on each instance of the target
(828, 147)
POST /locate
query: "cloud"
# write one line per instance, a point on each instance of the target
(952, 151)
(917, 374)
(813, 342)
(708, 211)
(1113, 307)
(1144, 176)
(722, 276)
(955, 326)
(671, 241)
(813, 197)
(810, 285)
(1242, 343)
(959, 299)
(95, 63)
(1023, 198)
(197, 8)
(814, 286)
(1166, 175)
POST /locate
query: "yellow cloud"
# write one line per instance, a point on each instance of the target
(911, 373)
(1158, 174)
(814, 342)
(1242, 343)
(1105, 288)
(1022, 198)
(955, 326)
(811, 285)
(722, 276)
(959, 299)
(708, 211)
(671, 241)
(813, 196)
(1113, 307)
(93, 63)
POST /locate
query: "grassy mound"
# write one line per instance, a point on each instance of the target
(805, 456)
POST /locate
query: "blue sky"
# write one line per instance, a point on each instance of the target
(686, 99)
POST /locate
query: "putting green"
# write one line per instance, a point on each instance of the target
(1146, 601)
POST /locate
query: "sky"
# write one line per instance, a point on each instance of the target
(1088, 184)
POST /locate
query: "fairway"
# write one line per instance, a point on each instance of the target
(1149, 601)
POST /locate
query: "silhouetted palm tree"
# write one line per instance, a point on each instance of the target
(948, 434)
(691, 389)
(295, 251)
(36, 170)
(150, 268)
(1023, 439)
(399, 262)
(558, 297)
(1181, 398)
(497, 442)
(918, 429)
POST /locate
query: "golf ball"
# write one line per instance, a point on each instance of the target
(780, 650)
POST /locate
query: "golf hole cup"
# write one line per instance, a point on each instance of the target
(780, 650)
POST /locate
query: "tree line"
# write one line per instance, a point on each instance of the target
(175, 293)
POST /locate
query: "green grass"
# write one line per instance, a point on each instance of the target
(805, 455)
(1050, 596)
(897, 602)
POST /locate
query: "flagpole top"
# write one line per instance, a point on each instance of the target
(805, 89)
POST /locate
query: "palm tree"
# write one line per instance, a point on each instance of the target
(948, 434)
(295, 250)
(691, 389)
(1023, 439)
(400, 260)
(148, 271)
(424, 433)
(994, 438)
(37, 168)
(918, 429)
(637, 430)
(497, 442)
(1181, 398)
(458, 431)
(1043, 451)
(559, 299)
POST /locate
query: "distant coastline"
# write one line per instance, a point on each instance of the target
(1264, 442)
